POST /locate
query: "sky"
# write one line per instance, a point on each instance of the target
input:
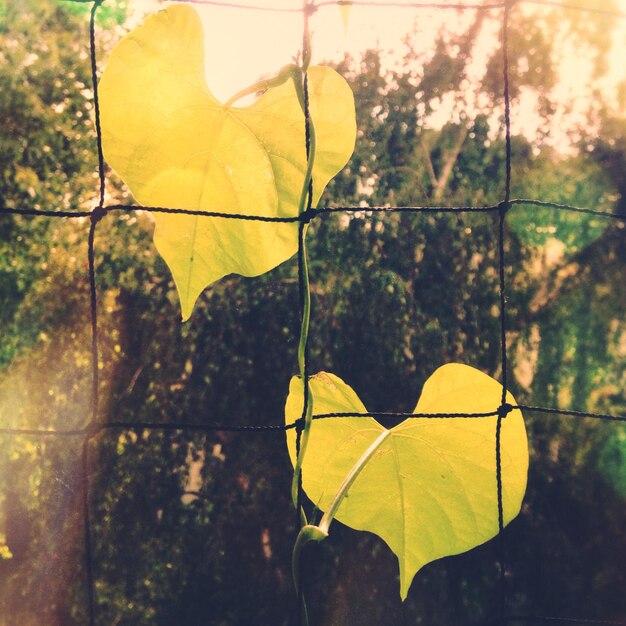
(243, 45)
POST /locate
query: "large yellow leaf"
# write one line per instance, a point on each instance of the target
(176, 146)
(430, 489)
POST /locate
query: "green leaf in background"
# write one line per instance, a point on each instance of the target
(176, 146)
(573, 180)
(612, 459)
(430, 489)
(110, 14)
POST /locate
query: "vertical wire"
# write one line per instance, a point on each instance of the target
(507, 100)
(305, 408)
(93, 302)
(501, 542)
(96, 101)
(303, 280)
(304, 296)
(97, 214)
(503, 410)
(302, 226)
(89, 575)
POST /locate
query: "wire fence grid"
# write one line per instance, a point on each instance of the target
(99, 212)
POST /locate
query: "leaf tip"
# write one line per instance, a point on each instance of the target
(406, 578)
(186, 307)
(404, 589)
(185, 313)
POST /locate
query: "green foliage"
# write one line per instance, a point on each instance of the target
(612, 460)
(573, 180)
(46, 147)
(109, 14)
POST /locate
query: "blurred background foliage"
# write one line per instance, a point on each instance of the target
(196, 529)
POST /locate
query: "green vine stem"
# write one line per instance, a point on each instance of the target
(307, 533)
(318, 533)
(263, 85)
(306, 198)
(304, 332)
(329, 515)
(298, 75)
(299, 78)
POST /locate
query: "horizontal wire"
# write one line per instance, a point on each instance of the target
(42, 212)
(195, 426)
(312, 213)
(568, 207)
(520, 407)
(35, 432)
(314, 6)
(582, 414)
(563, 620)
(407, 209)
(307, 215)
(408, 5)
(237, 5)
(91, 430)
(391, 414)
(201, 213)
(558, 4)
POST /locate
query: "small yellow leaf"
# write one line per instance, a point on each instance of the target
(345, 8)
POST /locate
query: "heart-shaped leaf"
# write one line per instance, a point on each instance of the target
(430, 490)
(176, 145)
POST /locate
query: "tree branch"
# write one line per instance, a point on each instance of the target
(429, 164)
(451, 159)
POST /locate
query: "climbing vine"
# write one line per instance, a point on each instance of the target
(237, 187)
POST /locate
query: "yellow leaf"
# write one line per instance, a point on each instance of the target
(430, 490)
(345, 9)
(177, 146)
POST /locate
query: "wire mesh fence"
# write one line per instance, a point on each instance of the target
(95, 426)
